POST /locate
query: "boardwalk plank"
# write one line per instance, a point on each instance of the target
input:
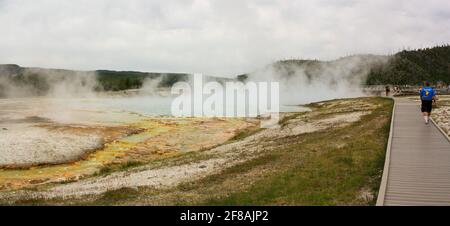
(419, 167)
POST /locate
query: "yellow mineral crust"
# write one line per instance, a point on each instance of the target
(143, 141)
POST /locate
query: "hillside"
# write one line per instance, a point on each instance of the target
(414, 67)
(39, 81)
(122, 80)
(403, 68)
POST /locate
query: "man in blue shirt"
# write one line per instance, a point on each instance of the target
(427, 95)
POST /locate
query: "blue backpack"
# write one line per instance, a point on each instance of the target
(427, 93)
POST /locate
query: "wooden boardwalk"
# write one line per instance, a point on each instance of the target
(417, 170)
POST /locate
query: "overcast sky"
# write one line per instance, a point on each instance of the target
(222, 37)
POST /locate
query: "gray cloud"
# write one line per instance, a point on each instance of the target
(222, 37)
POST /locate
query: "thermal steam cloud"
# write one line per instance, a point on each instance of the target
(48, 83)
(303, 82)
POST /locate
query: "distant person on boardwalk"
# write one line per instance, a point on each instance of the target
(427, 96)
(396, 90)
(399, 90)
(388, 91)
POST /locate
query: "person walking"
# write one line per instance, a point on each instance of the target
(427, 96)
(388, 90)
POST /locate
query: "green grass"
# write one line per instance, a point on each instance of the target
(331, 167)
(108, 169)
(113, 196)
(242, 134)
(321, 176)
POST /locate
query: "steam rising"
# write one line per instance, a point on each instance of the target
(25, 82)
(301, 81)
(73, 98)
(304, 82)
